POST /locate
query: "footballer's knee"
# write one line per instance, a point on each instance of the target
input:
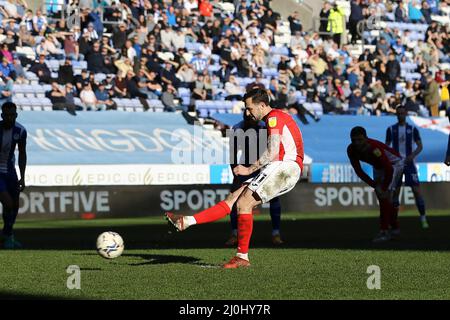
(232, 197)
(246, 202)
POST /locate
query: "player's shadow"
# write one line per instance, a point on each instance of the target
(150, 259)
(320, 233)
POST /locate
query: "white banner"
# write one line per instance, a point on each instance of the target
(116, 175)
(438, 172)
(439, 124)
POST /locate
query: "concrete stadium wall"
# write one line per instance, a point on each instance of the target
(307, 9)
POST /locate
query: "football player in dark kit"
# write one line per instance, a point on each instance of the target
(12, 134)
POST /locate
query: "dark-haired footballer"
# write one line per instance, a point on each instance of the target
(387, 169)
(281, 166)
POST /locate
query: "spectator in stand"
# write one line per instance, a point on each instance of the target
(431, 96)
(103, 97)
(41, 69)
(233, 90)
(91, 32)
(426, 12)
(294, 23)
(356, 16)
(89, 99)
(133, 89)
(154, 88)
(95, 59)
(57, 96)
(40, 23)
(393, 72)
(169, 99)
(400, 13)
(201, 90)
(414, 13)
(224, 72)
(65, 72)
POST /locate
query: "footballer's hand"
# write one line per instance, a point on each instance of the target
(21, 185)
(240, 170)
(447, 161)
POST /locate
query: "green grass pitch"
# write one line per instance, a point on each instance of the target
(325, 257)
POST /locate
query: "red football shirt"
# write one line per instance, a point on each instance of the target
(291, 144)
(380, 156)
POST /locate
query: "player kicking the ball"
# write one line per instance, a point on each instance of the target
(387, 170)
(281, 166)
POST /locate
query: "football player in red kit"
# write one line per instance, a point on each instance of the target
(280, 169)
(387, 169)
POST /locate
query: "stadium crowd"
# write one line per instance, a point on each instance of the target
(184, 52)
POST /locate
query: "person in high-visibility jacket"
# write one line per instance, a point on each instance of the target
(336, 23)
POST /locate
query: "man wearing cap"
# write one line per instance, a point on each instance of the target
(168, 99)
(103, 97)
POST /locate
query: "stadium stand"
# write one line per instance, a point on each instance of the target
(180, 55)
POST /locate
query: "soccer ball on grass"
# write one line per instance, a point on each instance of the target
(110, 245)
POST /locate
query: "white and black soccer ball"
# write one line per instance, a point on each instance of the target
(110, 245)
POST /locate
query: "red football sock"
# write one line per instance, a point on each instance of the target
(214, 213)
(245, 228)
(386, 211)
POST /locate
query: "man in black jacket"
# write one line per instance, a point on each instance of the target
(41, 69)
(356, 15)
(95, 60)
(393, 72)
(65, 72)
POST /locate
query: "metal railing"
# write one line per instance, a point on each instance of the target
(71, 14)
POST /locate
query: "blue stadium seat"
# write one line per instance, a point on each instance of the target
(203, 113)
(184, 92)
(215, 58)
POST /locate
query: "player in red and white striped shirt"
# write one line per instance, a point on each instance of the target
(387, 170)
(281, 166)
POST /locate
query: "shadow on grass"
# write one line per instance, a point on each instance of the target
(346, 233)
(151, 259)
(161, 259)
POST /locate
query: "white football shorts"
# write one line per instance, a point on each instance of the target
(275, 179)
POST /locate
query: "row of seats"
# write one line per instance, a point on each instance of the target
(208, 107)
(410, 66)
(414, 36)
(55, 64)
(33, 103)
(44, 104)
